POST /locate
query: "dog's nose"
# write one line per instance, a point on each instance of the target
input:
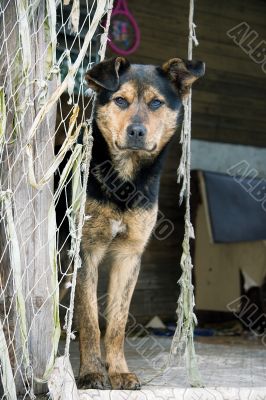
(136, 131)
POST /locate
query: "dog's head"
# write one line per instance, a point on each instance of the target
(138, 105)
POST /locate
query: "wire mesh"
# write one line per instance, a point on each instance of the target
(45, 145)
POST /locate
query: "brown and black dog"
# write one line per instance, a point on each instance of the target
(136, 115)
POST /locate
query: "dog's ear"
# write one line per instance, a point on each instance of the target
(183, 73)
(105, 75)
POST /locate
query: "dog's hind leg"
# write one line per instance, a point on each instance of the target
(124, 274)
(92, 370)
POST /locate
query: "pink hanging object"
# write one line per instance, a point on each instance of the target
(124, 30)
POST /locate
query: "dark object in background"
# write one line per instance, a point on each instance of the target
(235, 215)
(252, 312)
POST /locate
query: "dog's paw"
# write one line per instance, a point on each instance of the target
(93, 381)
(126, 381)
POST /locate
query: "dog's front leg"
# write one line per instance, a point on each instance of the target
(124, 274)
(92, 371)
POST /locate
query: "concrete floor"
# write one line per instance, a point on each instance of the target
(231, 368)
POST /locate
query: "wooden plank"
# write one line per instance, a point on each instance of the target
(62, 384)
(231, 109)
(227, 87)
(30, 207)
(235, 12)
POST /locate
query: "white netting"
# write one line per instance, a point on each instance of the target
(45, 48)
(183, 340)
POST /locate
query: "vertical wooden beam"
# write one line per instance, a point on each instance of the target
(30, 206)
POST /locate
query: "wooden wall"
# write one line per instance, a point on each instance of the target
(227, 107)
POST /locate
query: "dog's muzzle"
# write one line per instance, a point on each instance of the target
(136, 135)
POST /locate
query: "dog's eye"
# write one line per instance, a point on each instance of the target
(121, 102)
(155, 103)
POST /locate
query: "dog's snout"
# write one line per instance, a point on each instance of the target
(136, 136)
(136, 131)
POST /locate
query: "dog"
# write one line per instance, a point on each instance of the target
(136, 115)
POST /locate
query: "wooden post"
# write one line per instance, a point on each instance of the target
(29, 206)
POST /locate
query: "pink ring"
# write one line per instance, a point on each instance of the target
(136, 30)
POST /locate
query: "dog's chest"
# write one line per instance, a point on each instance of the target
(106, 186)
(117, 226)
